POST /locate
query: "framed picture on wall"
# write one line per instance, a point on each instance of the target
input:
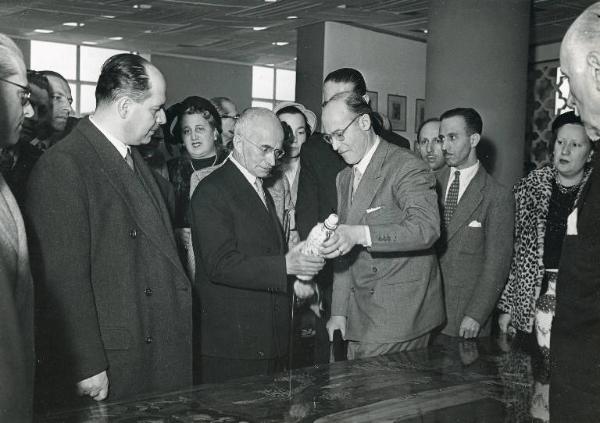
(397, 111)
(419, 113)
(374, 99)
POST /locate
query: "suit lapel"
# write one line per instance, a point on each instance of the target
(7, 221)
(369, 184)
(146, 210)
(344, 193)
(469, 201)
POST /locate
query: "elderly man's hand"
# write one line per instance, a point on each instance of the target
(95, 386)
(343, 240)
(297, 263)
(303, 290)
(469, 328)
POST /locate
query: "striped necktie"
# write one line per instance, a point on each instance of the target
(451, 199)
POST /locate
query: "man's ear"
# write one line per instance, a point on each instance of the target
(364, 122)
(474, 138)
(593, 61)
(366, 98)
(589, 159)
(124, 107)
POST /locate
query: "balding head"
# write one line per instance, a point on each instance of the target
(580, 62)
(257, 141)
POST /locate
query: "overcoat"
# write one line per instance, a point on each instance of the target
(111, 290)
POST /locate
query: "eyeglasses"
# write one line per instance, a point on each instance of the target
(339, 134)
(265, 149)
(25, 94)
(234, 117)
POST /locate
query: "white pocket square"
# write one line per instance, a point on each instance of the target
(374, 209)
(475, 224)
(572, 223)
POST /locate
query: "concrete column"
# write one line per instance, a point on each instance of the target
(477, 54)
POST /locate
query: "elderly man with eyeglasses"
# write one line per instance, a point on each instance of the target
(242, 266)
(387, 292)
(16, 286)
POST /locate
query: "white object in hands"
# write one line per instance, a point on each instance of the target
(319, 234)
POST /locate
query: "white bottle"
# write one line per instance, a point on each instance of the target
(319, 234)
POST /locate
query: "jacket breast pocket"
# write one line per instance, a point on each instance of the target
(472, 241)
(116, 338)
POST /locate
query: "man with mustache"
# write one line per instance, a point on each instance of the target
(477, 228)
(429, 145)
(113, 300)
(242, 266)
(16, 287)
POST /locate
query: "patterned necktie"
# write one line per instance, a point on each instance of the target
(259, 189)
(355, 180)
(451, 199)
(129, 159)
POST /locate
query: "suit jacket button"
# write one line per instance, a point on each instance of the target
(261, 354)
(374, 269)
(133, 233)
(352, 290)
(267, 250)
(371, 291)
(148, 291)
(148, 340)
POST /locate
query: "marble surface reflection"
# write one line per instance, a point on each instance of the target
(489, 380)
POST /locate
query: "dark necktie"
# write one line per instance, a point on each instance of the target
(129, 160)
(451, 199)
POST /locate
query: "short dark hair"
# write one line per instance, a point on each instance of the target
(472, 119)
(123, 75)
(48, 73)
(567, 118)
(293, 110)
(357, 104)
(425, 122)
(348, 75)
(38, 79)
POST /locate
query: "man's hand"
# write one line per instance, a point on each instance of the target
(335, 323)
(95, 386)
(297, 263)
(303, 290)
(343, 240)
(504, 323)
(469, 328)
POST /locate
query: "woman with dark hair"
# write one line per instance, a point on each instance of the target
(544, 201)
(196, 124)
(302, 123)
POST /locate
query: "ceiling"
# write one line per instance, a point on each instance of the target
(223, 29)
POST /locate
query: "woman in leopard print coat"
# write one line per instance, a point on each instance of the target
(544, 199)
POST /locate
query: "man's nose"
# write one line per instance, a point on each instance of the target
(271, 158)
(161, 118)
(28, 111)
(429, 146)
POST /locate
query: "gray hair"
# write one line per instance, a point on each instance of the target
(11, 58)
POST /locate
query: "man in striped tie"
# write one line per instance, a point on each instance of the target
(477, 228)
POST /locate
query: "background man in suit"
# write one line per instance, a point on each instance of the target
(61, 100)
(241, 260)
(477, 237)
(16, 287)
(575, 375)
(429, 145)
(387, 293)
(114, 303)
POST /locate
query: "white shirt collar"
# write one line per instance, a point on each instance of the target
(121, 147)
(364, 162)
(250, 177)
(466, 176)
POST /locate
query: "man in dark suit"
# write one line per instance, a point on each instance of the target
(477, 237)
(114, 302)
(241, 260)
(16, 286)
(387, 293)
(575, 340)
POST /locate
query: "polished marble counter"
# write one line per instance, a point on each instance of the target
(489, 380)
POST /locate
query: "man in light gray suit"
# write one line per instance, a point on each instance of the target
(477, 228)
(16, 286)
(387, 293)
